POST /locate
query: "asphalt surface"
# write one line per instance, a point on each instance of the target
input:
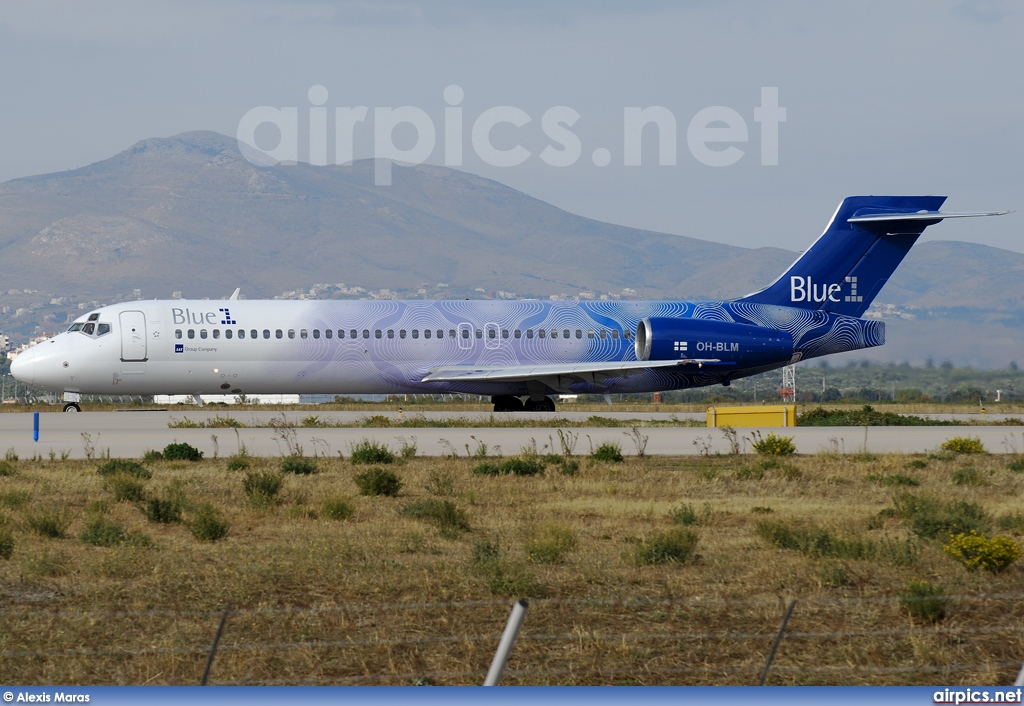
(130, 434)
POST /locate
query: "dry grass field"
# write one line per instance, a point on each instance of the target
(649, 571)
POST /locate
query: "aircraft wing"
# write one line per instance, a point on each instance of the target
(584, 372)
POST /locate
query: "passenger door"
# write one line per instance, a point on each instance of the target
(133, 336)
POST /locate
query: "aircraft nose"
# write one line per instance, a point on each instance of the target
(23, 368)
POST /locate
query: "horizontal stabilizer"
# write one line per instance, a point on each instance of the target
(875, 217)
(587, 372)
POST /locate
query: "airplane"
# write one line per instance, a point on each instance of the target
(517, 352)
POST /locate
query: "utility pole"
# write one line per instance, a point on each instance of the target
(789, 383)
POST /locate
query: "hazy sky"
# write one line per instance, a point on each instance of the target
(921, 96)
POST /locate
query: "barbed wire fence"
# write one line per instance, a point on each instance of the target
(869, 640)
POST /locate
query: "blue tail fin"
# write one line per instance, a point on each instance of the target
(862, 246)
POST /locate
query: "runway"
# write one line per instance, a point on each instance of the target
(130, 434)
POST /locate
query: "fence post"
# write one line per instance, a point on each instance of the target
(213, 647)
(775, 645)
(508, 638)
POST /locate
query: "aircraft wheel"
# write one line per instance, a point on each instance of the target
(543, 405)
(507, 403)
(72, 407)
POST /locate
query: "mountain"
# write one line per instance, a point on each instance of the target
(188, 213)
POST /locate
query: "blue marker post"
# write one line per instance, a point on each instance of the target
(35, 426)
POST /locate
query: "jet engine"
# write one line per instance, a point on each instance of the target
(745, 345)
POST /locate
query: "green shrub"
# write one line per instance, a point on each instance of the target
(512, 580)
(895, 479)
(6, 542)
(182, 452)
(444, 514)
(378, 481)
(924, 600)
(219, 422)
(486, 552)
(125, 467)
(1017, 465)
(152, 456)
(313, 421)
(338, 508)
(239, 463)
(163, 510)
(898, 552)
(568, 466)
(966, 476)
(832, 574)
(609, 452)
(963, 445)
(687, 515)
(761, 510)
(977, 551)
(440, 482)
(929, 517)
(1011, 523)
(51, 521)
(813, 541)
(378, 421)
(206, 524)
(550, 543)
(124, 488)
(262, 484)
(775, 445)
(787, 472)
(368, 451)
(526, 465)
(917, 463)
(103, 532)
(15, 498)
(7, 469)
(748, 473)
(677, 545)
(299, 465)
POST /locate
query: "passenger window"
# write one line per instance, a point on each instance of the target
(303, 334)
(491, 333)
(554, 333)
(517, 333)
(216, 333)
(266, 333)
(529, 333)
(579, 334)
(89, 329)
(504, 333)
(291, 333)
(254, 334)
(479, 333)
(328, 333)
(401, 334)
(590, 334)
(415, 333)
(241, 333)
(626, 334)
(366, 333)
(604, 334)
(565, 333)
(426, 333)
(191, 333)
(177, 332)
(202, 333)
(542, 333)
(391, 333)
(615, 334)
(228, 333)
(377, 333)
(278, 333)
(465, 333)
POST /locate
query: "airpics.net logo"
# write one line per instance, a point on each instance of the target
(715, 136)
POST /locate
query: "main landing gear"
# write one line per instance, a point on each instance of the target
(72, 407)
(507, 403)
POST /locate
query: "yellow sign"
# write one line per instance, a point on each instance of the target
(775, 416)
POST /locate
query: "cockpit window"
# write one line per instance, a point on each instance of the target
(102, 329)
(94, 317)
(89, 329)
(75, 327)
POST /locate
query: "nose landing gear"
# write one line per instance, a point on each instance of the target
(72, 407)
